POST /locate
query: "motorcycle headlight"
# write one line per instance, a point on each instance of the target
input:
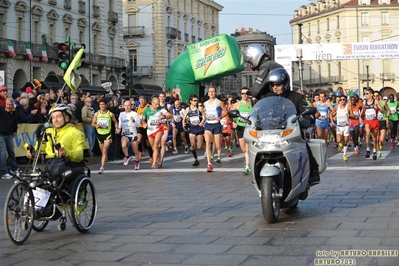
(270, 141)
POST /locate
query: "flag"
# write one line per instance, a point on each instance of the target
(44, 53)
(356, 92)
(71, 78)
(11, 52)
(29, 51)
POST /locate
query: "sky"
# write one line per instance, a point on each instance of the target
(270, 16)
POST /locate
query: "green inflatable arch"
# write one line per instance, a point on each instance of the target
(204, 61)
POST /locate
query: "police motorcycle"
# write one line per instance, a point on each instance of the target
(44, 193)
(279, 159)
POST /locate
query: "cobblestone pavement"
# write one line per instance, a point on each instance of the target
(182, 215)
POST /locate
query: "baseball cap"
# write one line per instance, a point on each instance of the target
(385, 98)
(28, 90)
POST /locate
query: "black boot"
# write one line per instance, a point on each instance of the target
(314, 178)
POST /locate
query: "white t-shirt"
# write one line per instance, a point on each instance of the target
(129, 128)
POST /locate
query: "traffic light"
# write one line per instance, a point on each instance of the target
(63, 56)
(126, 72)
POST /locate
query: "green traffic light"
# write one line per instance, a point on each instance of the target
(63, 65)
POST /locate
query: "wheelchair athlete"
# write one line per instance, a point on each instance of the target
(64, 145)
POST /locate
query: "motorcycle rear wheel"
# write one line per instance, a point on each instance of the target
(270, 200)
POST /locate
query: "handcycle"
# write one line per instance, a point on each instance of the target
(50, 192)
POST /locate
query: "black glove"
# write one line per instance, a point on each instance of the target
(304, 123)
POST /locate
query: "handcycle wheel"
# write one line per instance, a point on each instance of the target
(19, 213)
(39, 226)
(83, 204)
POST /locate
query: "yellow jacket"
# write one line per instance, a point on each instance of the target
(69, 137)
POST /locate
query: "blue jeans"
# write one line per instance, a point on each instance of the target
(7, 146)
(90, 134)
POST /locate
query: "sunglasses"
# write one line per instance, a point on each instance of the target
(342, 99)
(244, 93)
(276, 84)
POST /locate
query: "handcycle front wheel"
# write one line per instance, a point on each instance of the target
(19, 213)
(39, 226)
(83, 204)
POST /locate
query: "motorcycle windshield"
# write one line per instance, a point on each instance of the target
(273, 112)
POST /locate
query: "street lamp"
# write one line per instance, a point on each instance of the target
(299, 56)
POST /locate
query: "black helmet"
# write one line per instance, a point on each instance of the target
(279, 75)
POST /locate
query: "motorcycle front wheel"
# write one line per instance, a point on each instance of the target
(270, 200)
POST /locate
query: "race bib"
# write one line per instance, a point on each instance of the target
(323, 115)
(393, 110)
(370, 114)
(103, 122)
(41, 197)
(195, 121)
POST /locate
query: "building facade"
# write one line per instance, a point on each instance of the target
(348, 21)
(156, 32)
(30, 31)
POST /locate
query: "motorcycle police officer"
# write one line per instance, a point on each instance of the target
(260, 61)
(278, 82)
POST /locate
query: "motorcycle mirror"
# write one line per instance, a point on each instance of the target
(309, 110)
(234, 113)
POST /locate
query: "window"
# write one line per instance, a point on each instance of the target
(318, 27)
(328, 24)
(309, 30)
(384, 18)
(337, 22)
(133, 57)
(1, 24)
(21, 29)
(132, 20)
(364, 18)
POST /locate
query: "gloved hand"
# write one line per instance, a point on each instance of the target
(304, 123)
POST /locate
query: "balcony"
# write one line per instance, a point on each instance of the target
(363, 77)
(52, 2)
(96, 11)
(112, 17)
(193, 39)
(52, 54)
(171, 32)
(133, 31)
(186, 37)
(387, 76)
(179, 35)
(82, 7)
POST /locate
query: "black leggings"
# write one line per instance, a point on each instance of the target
(394, 129)
(355, 136)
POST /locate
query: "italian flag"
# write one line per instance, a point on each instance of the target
(11, 52)
(44, 54)
(29, 51)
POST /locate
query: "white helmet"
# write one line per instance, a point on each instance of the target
(254, 54)
(62, 108)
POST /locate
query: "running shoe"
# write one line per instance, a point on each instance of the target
(136, 165)
(397, 143)
(367, 154)
(159, 161)
(357, 151)
(230, 154)
(245, 171)
(219, 160)
(340, 145)
(374, 156)
(379, 155)
(175, 151)
(226, 147)
(212, 158)
(126, 161)
(186, 149)
(392, 144)
(151, 161)
(360, 143)
(380, 146)
(16, 172)
(209, 168)
(196, 163)
(345, 157)
(101, 171)
(6, 176)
